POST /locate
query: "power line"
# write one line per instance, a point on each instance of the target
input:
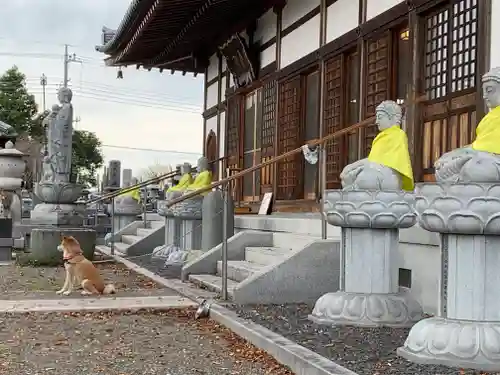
(152, 150)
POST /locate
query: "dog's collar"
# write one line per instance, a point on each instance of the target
(68, 258)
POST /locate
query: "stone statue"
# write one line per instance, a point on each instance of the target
(186, 179)
(204, 177)
(480, 161)
(388, 165)
(59, 137)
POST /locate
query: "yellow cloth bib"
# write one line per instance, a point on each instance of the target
(203, 179)
(390, 148)
(135, 194)
(488, 133)
(184, 182)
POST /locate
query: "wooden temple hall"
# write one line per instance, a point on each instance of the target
(279, 73)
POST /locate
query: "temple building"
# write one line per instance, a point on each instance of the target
(279, 73)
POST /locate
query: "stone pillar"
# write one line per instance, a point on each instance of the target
(212, 219)
(172, 223)
(466, 331)
(113, 176)
(189, 212)
(126, 211)
(369, 294)
(126, 177)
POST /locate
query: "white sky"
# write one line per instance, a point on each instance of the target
(156, 111)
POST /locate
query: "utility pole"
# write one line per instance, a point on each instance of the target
(76, 121)
(68, 59)
(43, 82)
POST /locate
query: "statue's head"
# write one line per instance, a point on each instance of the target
(65, 95)
(202, 164)
(185, 168)
(388, 114)
(491, 88)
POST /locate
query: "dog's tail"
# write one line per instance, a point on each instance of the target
(109, 289)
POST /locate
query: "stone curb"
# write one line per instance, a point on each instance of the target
(300, 360)
(92, 305)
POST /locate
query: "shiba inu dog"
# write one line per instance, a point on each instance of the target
(79, 270)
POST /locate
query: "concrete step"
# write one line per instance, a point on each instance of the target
(121, 248)
(213, 283)
(130, 239)
(155, 224)
(107, 250)
(291, 240)
(239, 270)
(265, 256)
(141, 232)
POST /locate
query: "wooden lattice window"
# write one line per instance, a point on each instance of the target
(333, 121)
(268, 118)
(233, 129)
(378, 80)
(290, 169)
(449, 116)
(268, 134)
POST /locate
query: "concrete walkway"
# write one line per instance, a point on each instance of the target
(95, 304)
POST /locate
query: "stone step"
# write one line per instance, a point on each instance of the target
(265, 255)
(155, 224)
(291, 240)
(213, 283)
(141, 232)
(130, 239)
(239, 270)
(107, 250)
(121, 248)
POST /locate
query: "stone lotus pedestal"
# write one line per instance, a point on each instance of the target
(126, 211)
(369, 294)
(466, 332)
(58, 207)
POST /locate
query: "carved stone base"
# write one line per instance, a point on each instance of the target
(58, 214)
(367, 310)
(454, 343)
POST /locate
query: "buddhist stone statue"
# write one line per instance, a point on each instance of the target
(60, 133)
(480, 161)
(186, 179)
(204, 177)
(388, 165)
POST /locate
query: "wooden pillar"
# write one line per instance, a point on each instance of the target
(413, 130)
(484, 53)
(362, 73)
(278, 11)
(215, 167)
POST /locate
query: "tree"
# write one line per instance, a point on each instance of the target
(87, 157)
(17, 106)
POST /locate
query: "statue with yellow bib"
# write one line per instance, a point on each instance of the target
(388, 166)
(480, 161)
(375, 202)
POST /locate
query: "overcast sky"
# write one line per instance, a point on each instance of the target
(144, 110)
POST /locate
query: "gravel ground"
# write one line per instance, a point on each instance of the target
(145, 342)
(158, 267)
(42, 282)
(362, 350)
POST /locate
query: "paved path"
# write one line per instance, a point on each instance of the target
(95, 304)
